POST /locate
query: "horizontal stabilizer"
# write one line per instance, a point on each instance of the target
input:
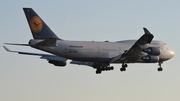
(16, 44)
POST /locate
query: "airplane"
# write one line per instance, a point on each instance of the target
(98, 55)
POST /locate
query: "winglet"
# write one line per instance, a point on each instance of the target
(146, 31)
(7, 49)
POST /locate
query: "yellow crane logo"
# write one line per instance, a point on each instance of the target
(36, 24)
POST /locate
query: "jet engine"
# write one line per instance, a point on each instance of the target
(150, 58)
(152, 51)
(57, 63)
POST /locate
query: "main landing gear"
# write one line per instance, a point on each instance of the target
(124, 66)
(160, 68)
(100, 69)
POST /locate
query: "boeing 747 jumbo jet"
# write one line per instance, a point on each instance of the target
(98, 55)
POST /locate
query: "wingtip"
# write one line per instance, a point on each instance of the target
(7, 49)
(146, 31)
(144, 28)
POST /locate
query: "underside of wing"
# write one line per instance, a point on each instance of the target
(82, 63)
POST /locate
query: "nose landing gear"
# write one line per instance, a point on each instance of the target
(160, 68)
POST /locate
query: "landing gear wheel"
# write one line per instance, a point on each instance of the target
(125, 65)
(112, 68)
(98, 71)
(160, 69)
(122, 69)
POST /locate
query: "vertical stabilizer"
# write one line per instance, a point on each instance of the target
(38, 27)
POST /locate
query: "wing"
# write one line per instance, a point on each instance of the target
(135, 49)
(53, 59)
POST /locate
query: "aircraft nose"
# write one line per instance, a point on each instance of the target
(171, 53)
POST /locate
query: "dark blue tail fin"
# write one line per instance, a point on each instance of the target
(38, 27)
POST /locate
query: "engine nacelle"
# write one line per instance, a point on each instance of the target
(57, 63)
(152, 51)
(150, 58)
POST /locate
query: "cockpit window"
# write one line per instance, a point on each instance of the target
(164, 43)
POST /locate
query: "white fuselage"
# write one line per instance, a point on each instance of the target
(102, 51)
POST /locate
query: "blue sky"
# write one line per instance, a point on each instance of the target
(27, 78)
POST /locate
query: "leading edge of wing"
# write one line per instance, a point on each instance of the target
(135, 49)
(143, 40)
